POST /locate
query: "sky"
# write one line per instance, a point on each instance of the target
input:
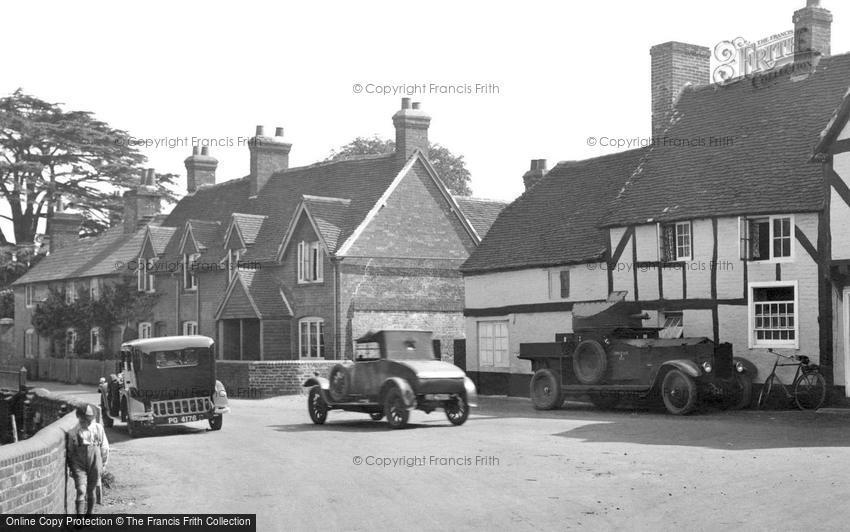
(549, 74)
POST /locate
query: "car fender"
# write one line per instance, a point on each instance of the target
(749, 368)
(321, 382)
(221, 405)
(688, 367)
(471, 392)
(407, 394)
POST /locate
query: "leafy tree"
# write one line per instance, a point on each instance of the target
(450, 167)
(48, 153)
(7, 304)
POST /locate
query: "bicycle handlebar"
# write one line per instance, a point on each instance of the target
(803, 359)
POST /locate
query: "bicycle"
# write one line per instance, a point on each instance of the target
(809, 384)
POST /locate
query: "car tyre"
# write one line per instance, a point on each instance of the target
(104, 414)
(317, 406)
(338, 378)
(457, 410)
(395, 410)
(545, 390)
(743, 394)
(216, 421)
(590, 362)
(376, 416)
(679, 392)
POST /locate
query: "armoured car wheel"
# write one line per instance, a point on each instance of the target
(376, 416)
(338, 389)
(679, 392)
(546, 390)
(104, 414)
(317, 406)
(743, 394)
(216, 421)
(590, 362)
(397, 414)
(457, 410)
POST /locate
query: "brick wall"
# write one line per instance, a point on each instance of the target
(267, 378)
(675, 64)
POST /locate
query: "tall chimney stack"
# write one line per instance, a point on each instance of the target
(674, 66)
(411, 130)
(535, 174)
(812, 29)
(268, 155)
(63, 228)
(142, 203)
(200, 169)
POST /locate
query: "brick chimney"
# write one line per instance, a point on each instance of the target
(812, 29)
(63, 228)
(675, 65)
(200, 169)
(142, 203)
(268, 155)
(538, 170)
(411, 130)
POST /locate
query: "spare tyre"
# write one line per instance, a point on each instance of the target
(590, 362)
(338, 383)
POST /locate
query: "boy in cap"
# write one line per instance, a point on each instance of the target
(88, 452)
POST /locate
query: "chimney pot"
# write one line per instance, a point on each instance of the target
(416, 105)
(205, 150)
(196, 150)
(405, 103)
(261, 131)
(278, 132)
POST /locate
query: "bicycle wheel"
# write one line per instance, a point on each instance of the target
(810, 391)
(766, 389)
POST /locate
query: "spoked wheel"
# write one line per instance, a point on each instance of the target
(679, 392)
(546, 390)
(216, 422)
(376, 416)
(743, 393)
(457, 410)
(395, 410)
(317, 406)
(810, 391)
(764, 395)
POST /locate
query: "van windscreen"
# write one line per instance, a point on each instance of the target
(179, 358)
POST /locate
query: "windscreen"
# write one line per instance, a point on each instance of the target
(181, 358)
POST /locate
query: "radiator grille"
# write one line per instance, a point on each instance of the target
(194, 405)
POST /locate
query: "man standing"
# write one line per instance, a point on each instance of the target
(87, 452)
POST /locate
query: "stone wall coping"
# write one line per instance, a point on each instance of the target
(40, 442)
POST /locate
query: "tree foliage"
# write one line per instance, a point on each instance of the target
(119, 304)
(48, 153)
(450, 167)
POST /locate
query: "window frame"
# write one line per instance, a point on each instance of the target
(96, 333)
(145, 326)
(189, 273)
(29, 295)
(233, 258)
(744, 240)
(30, 343)
(491, 361)
(72, 334)
(310, 262)
(70, 292)
(672, 255)
(144, 277)
(189, 326)
(558, 290)
(321, 348)
(751, 328)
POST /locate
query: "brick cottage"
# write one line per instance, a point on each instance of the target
(743, 237)
(285, 267)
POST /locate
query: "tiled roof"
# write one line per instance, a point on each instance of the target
(160, 236)
(330, 215)
(249, 225)
(105, 254)
(265, 291)
(480, 212)
(767, 129)
(557, 220)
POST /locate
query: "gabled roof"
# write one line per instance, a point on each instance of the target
(765, 130)
(262, 291)
(329, 216)
(106, 254)
(480, 212)
(557, 221)
(836, 125)
(243, 227)
(155, 240)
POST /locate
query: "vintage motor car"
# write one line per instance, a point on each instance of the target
(394, 372)
(610, 357)
(164, 381)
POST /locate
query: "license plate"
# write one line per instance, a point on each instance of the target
(173, 420)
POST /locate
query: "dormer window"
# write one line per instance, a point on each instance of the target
(190, 277)
(309, 262)
(767, 238)
(675, 241)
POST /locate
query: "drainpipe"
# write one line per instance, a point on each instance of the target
(335, 261)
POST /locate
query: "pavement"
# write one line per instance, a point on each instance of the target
(508, 467)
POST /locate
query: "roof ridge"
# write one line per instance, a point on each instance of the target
(480, 200)
(326, 199)
(584, 162)
(355, 158)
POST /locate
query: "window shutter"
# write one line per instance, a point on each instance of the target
(668, 242)
(755, 237)
(300, 261)
(319, 263)
(565, 284)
